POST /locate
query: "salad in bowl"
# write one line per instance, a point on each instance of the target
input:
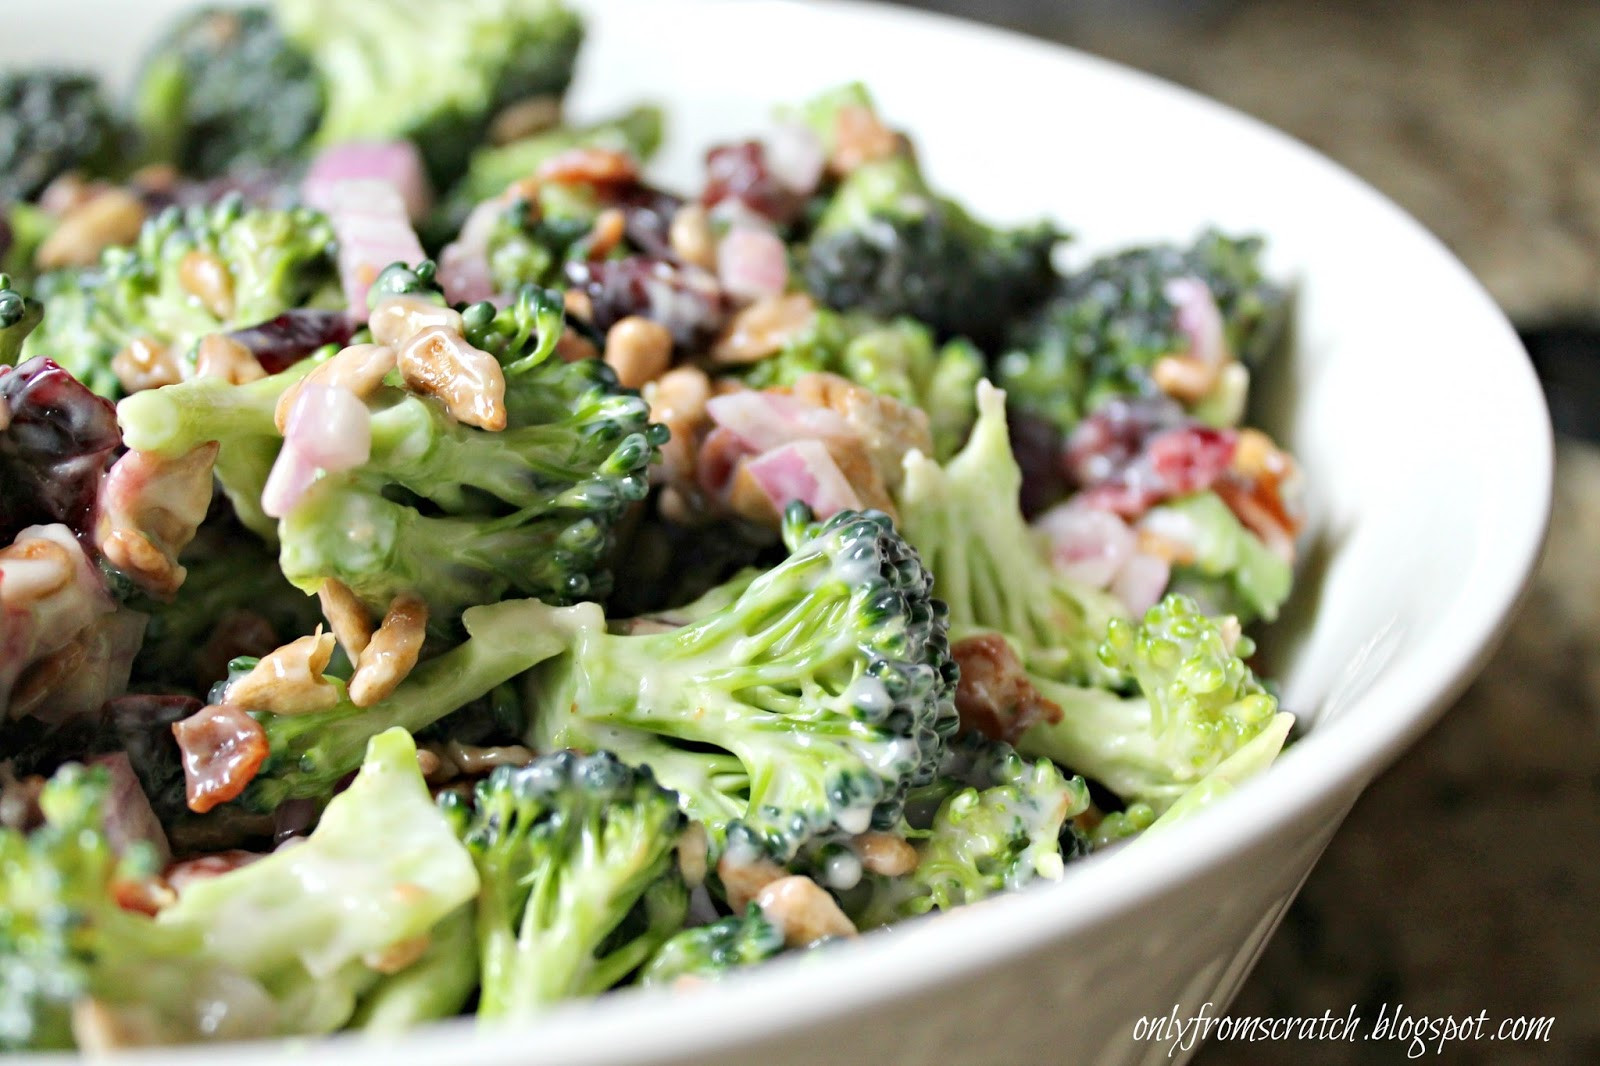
(445, 572)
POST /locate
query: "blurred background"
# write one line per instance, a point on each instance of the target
(1467, 879)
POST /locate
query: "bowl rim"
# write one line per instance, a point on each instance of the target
(651, 1025)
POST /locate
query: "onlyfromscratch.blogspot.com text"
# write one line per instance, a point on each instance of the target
(1417, 1034)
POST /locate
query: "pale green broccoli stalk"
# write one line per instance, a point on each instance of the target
(382, 868)
(578, 860)
(454, 514)
(1009, 830)
(65, 940)
(1232, 571)
(1199, 704)
(1251, 759)
(18, 316)
(965, 519)
(636, 132)
(375, 61)
(807, 706)
(1109, 323)
(438, 985)
(897, 358)
(887, 245)
(309, 754)
(268, 261)
(710, 952)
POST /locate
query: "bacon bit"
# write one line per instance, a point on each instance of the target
(180, 875)
(392, 653)
(347, 616)
(994, 696)
(1258, 489)
(859, 136)
(222, 749)
(289, 680)
(589, 166)
(438, 362)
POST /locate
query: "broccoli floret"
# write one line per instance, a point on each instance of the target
(887, 246)
(1198, 704)
(807, 706)
(965, 519)
(19, 315)
(259, 262)
(382, 869)
(70, 953)
(1232, 571)
(53, 121)
(897, 358)
(1011, 829)
(577, 857)
(443, 510)
(709, 952)
(1108, 324)
(309, 754)
(224, 90)
(23, 228)
(375, 61)
(636, 132)
(438, 985)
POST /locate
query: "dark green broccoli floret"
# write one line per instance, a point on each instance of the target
(309, 754)
(53, 121)
(270, 261)
(580, 883)
(18, 316)
(1198, 704)
(965, 518)
(888, 246)
(712, 951)
(807, 706)
(1107, 325)
(898, 359)
(223, 89)
(443, 510)
(409, 69)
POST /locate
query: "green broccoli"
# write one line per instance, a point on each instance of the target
(709, 952)
(224, 90)
(808, 705)
(965, 519)
(375, 60)
(438, 985)
(577, 858)
(53, 121)
(192, 272)
(18, 316)
(1109, 323)
(309, 754)
(1232, 571)
(492, 168)
(898, 359)
(452, 513)
(887, 245)
(1198, 704)
(1010, 829)
(23, 228)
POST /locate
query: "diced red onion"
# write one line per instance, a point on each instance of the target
(328, 430)
(752, 264)
(763, 420)
(369, 219)
(395, 163)
(803, 471)
(795, 157)
(464, 262)
(1087, 544)
(1198, 319)
(1141, 582)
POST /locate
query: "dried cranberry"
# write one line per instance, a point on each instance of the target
(1133, 453)
(688, 301)
(1111, 438)
(57, 443)
(1191, 459)
(281, 342)
(1036, 443)
(739, 172)
(647, 216)
(222, 747)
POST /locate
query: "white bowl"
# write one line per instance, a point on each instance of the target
(1421, 429)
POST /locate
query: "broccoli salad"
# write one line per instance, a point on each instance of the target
(443, 572)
